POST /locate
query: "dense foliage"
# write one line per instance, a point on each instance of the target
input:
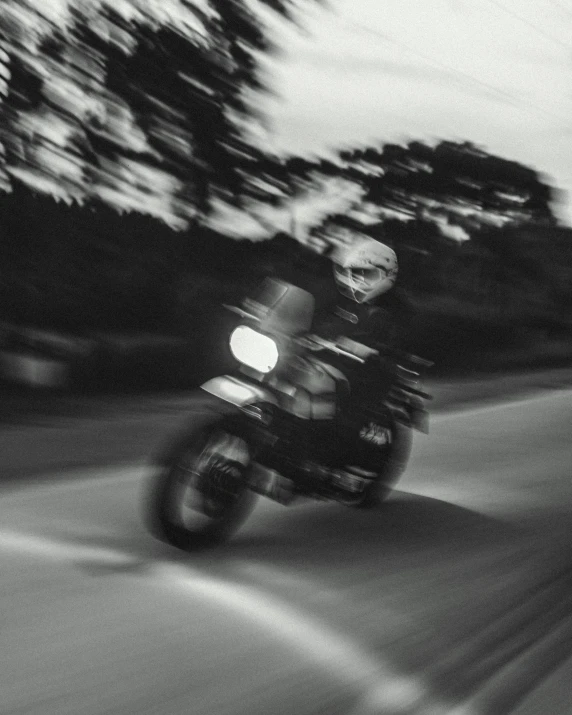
(146, 105)
(123, 121)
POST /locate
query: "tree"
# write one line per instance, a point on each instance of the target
(145, 105)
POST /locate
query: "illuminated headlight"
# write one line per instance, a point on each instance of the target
(253, 349)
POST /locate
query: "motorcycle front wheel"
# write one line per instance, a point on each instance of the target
(198, 497)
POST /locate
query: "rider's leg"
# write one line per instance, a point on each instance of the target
(370, 434)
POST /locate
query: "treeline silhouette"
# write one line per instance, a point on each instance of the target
(88, 268)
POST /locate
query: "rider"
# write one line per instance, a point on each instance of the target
(368, 310)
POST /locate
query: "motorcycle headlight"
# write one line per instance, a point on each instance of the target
(254, 349)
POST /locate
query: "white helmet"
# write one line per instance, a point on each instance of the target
(365, 269)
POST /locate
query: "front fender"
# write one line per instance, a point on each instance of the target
(417, 416)
(410, 411)
(238, 392)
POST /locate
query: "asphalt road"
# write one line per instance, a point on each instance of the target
(454, 598)
(43, 435)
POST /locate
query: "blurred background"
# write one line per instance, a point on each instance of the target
(158, 158)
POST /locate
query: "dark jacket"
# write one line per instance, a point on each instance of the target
(386, 320)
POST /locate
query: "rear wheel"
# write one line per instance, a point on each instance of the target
(199, 496)
(394, 464)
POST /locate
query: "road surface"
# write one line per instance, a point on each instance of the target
(455, 598)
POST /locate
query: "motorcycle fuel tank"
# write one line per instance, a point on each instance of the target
(311, 387)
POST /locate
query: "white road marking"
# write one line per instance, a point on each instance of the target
(283, 578)
(380, 687)
(42, 547)
(70, 479)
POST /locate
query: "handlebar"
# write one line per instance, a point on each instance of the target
(315, 342)
(240, 311)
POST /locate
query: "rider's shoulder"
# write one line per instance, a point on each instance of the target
(394, 299)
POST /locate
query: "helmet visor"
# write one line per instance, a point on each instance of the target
(360, 284)
(367, 275)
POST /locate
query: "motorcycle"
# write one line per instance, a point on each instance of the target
(278, 426)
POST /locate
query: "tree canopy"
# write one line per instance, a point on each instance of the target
(450, 184)
(147, 105)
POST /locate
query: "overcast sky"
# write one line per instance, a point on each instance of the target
(495, 72)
